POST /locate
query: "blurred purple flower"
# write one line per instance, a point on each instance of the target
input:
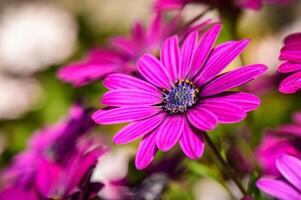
(57, 162)
(238, 4)
(284, 140)
(18, 193)
(178, 4)
(123, 52)
(70, 181)
(291, 55)
(289, 186)
(60, 140)
(181, 95)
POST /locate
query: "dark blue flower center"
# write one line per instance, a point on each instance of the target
(182, 96)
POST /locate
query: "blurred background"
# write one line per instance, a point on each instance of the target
(38, 37)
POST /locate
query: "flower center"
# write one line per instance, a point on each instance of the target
(182, 96)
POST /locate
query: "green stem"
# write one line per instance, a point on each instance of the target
(225, 164)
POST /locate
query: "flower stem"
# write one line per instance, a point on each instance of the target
(224, 163)
(196, 18)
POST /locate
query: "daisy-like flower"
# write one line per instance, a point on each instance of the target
(180, 96)
(51, 180)
(57, 163)
(178, 4)
(237, 4)
(123, 52)
(291, 55)
(288, 187)
(286, 139)
(120, 56)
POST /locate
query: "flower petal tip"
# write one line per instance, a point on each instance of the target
(117, 140)
(164, 147)
(140, 166)
(285, 89)
(95, 117)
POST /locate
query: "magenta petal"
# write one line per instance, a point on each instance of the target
(288, 67)
(293, 55)
(225, 112)
(187, 54)
(84, 72)
(290, 168)
(170, 57)
(278, 189)
(138, 129)
(203, 49)
(146, 151)
(155, 28)
(291, 84)
(123, 81)
(193, 146)
(138, 32)
(130, 97)
(290, 129)
(124, 114)
(233, 79)
(292, 38)
(221, 56)
(79, 167)
(47, 178)
(153, 71)
(169, 132)
(169, 4)
(18, 193)
(245, 101)
(124, 44)
(201, 118)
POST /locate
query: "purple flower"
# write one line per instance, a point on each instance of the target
(284, 140)
(52, 180)
(177, 4)
(57, 162)
(17, 193)
(238, 4)
(123, 52)
(291, 55)
(61, 139)
(288, 187)
(181, 94)
(73, 179)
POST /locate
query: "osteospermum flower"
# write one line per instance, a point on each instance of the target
(291, 55)
(120, 56)
(289, 186)
(51, 180)
(57, 163)
(123, 52)
(181, 94)
(237, 4)
(286, 139)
